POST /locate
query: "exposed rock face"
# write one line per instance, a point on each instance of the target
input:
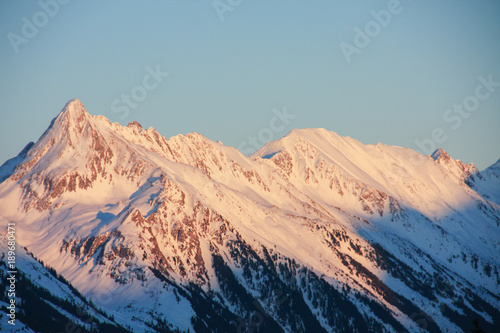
(313, 233)
(454, 167)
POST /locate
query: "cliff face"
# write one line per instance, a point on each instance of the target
(314, 232)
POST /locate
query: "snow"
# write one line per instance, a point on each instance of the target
(7, 169)
(6, 327)
(335, 182)
(487, 183)
(39, 275)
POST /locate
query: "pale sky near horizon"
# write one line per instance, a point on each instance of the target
(234, 67)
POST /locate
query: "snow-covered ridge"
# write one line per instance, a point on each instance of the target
(63, 306)
(123, 209)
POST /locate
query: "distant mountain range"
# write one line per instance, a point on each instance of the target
(119, 229)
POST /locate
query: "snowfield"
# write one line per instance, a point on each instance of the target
(312, 233)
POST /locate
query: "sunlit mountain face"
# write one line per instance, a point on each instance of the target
(120, 229)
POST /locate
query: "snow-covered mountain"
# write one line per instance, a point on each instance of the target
(313, 233)
(46, 301)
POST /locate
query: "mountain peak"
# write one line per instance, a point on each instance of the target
(331, 222)
(440, 154)
(75, 102)
(134, 124)
(74, 107)
(72, 115)
(314, 136)
(308, 132)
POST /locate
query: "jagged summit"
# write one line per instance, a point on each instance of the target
(73, 112)
(186, 234)
(74, 106)
(134, 124)
(69, 122)
(455, 168)
(439, 153)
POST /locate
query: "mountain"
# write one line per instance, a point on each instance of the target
(39, 287)
(487, 182)
(313, 233)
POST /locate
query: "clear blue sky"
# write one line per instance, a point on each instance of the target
(226, 76)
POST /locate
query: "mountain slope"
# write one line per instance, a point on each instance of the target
(314, 232)
(38, 287)
(487, 182)
(396, 189)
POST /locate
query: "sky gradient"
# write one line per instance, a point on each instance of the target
(235, 66)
